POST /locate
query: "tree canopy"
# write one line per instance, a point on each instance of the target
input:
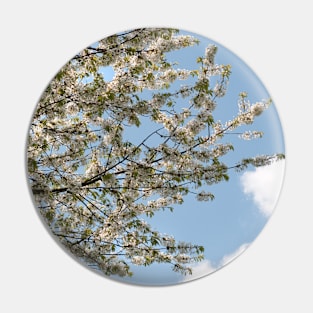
(95, 188)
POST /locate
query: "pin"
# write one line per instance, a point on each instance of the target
(155, 156)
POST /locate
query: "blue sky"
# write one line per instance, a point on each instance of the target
(242, 206)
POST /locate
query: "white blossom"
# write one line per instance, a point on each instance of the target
(257, 108)
(72, 108)
(138, 260)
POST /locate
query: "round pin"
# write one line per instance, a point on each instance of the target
(155, 156)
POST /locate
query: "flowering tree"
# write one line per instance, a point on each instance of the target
(94, 186)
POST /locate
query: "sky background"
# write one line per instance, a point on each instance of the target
(242, 206)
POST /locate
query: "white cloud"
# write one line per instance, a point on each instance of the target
(264, 184)
(199, 270)
(205, 267)
(229, 257)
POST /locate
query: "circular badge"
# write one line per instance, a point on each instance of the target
(155, 156)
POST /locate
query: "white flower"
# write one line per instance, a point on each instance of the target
(210, 52)
(204, 196)
(182, 258)
(71, 108)
(138, 260)
(183, 74)
(219, 90)
(106, 140)
(257, 108)
(248, 135)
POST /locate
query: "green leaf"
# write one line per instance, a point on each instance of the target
(87, 232)
(94, 194)
(111, 96)
(150, 77)
(106, 176)
(135, 120)
(50, 215)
